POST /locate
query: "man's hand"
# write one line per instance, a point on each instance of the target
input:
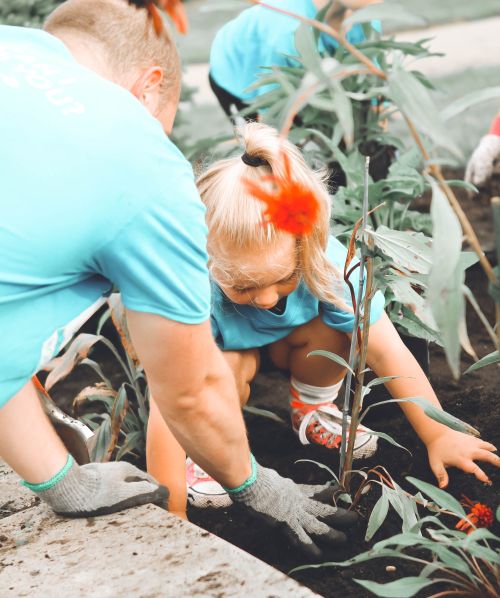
(481, 164)
(455, 449)
(279, 501)
(101, 489)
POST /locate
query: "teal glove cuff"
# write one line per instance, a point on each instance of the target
(247, 482)
(53, 480)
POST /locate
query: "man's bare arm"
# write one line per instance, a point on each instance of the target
(195, 392)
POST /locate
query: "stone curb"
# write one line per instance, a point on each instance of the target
(143, 552)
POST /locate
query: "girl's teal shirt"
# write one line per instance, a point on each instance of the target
(238, 327)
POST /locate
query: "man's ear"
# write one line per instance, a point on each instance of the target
(147, 88)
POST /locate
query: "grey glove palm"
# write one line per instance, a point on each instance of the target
(103, 488)
(305, 520)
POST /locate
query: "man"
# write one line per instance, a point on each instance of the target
(94, 193)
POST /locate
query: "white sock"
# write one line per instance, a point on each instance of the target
(314, 394)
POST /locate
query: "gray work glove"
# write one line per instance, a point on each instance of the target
(481, 164)
(102, 488)
(305, 520)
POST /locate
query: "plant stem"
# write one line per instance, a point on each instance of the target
(356, 365)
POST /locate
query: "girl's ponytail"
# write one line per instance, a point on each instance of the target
(234, 217)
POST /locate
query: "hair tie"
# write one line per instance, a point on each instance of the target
(254, 160)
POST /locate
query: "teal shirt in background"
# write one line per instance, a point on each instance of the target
(259, 37)
(238, 327)
(92, 193)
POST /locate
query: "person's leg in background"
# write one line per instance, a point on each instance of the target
(230, 103)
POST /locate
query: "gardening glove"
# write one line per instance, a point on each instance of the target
(279, 501)
(481, 164)
(99, 489)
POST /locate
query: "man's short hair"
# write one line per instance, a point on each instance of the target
(125, 33)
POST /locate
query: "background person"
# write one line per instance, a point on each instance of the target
(482, 162)
(259, 37)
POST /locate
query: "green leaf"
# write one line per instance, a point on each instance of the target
(415, 102)
(377, 517)
(444, 296)
(498, 513)
(333, 356)
(307, 48)
(443, 417)
(414, 326)
(487, 360)
(407, 249)
(467, 101)
(98, 444)
(321, 466)
(389, 11)
(401, 588)
(388, 438)
(382, 380)
(263, 413)
(60, 367)
(440, 497)
(132, 441)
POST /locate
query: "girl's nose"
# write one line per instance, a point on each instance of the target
(267, 297)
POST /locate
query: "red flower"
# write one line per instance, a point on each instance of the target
(174, 9)
(479, 516)
(290, 206)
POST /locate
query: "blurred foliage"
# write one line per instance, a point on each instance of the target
(26, 13)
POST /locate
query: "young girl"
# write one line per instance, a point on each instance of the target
(284, 293)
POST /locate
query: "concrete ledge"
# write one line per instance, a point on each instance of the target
(143, 552)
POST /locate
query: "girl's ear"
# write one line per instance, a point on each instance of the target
(147, 88)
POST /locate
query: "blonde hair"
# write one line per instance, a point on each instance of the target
(234, 217)
(127, 36)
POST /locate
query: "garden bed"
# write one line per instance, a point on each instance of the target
(474, 398)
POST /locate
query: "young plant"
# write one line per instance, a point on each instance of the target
(455, 562)
(120, 425)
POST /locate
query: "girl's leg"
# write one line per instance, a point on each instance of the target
(291, 353)
(315, 385)
(244, 365)
(166, 461)
(28, 442)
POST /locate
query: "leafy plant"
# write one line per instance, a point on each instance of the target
(120, 424)
(454, 562)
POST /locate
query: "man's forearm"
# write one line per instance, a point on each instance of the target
(195, 392)
(210, 427)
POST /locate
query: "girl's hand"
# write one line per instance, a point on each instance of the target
(455, 449)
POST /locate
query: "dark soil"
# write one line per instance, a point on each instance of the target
(474, 398)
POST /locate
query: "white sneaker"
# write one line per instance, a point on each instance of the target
(202, 490)
(322, 424)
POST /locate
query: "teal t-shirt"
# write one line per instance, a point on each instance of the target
(238, 327)
(92, 193)
(259, 37)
